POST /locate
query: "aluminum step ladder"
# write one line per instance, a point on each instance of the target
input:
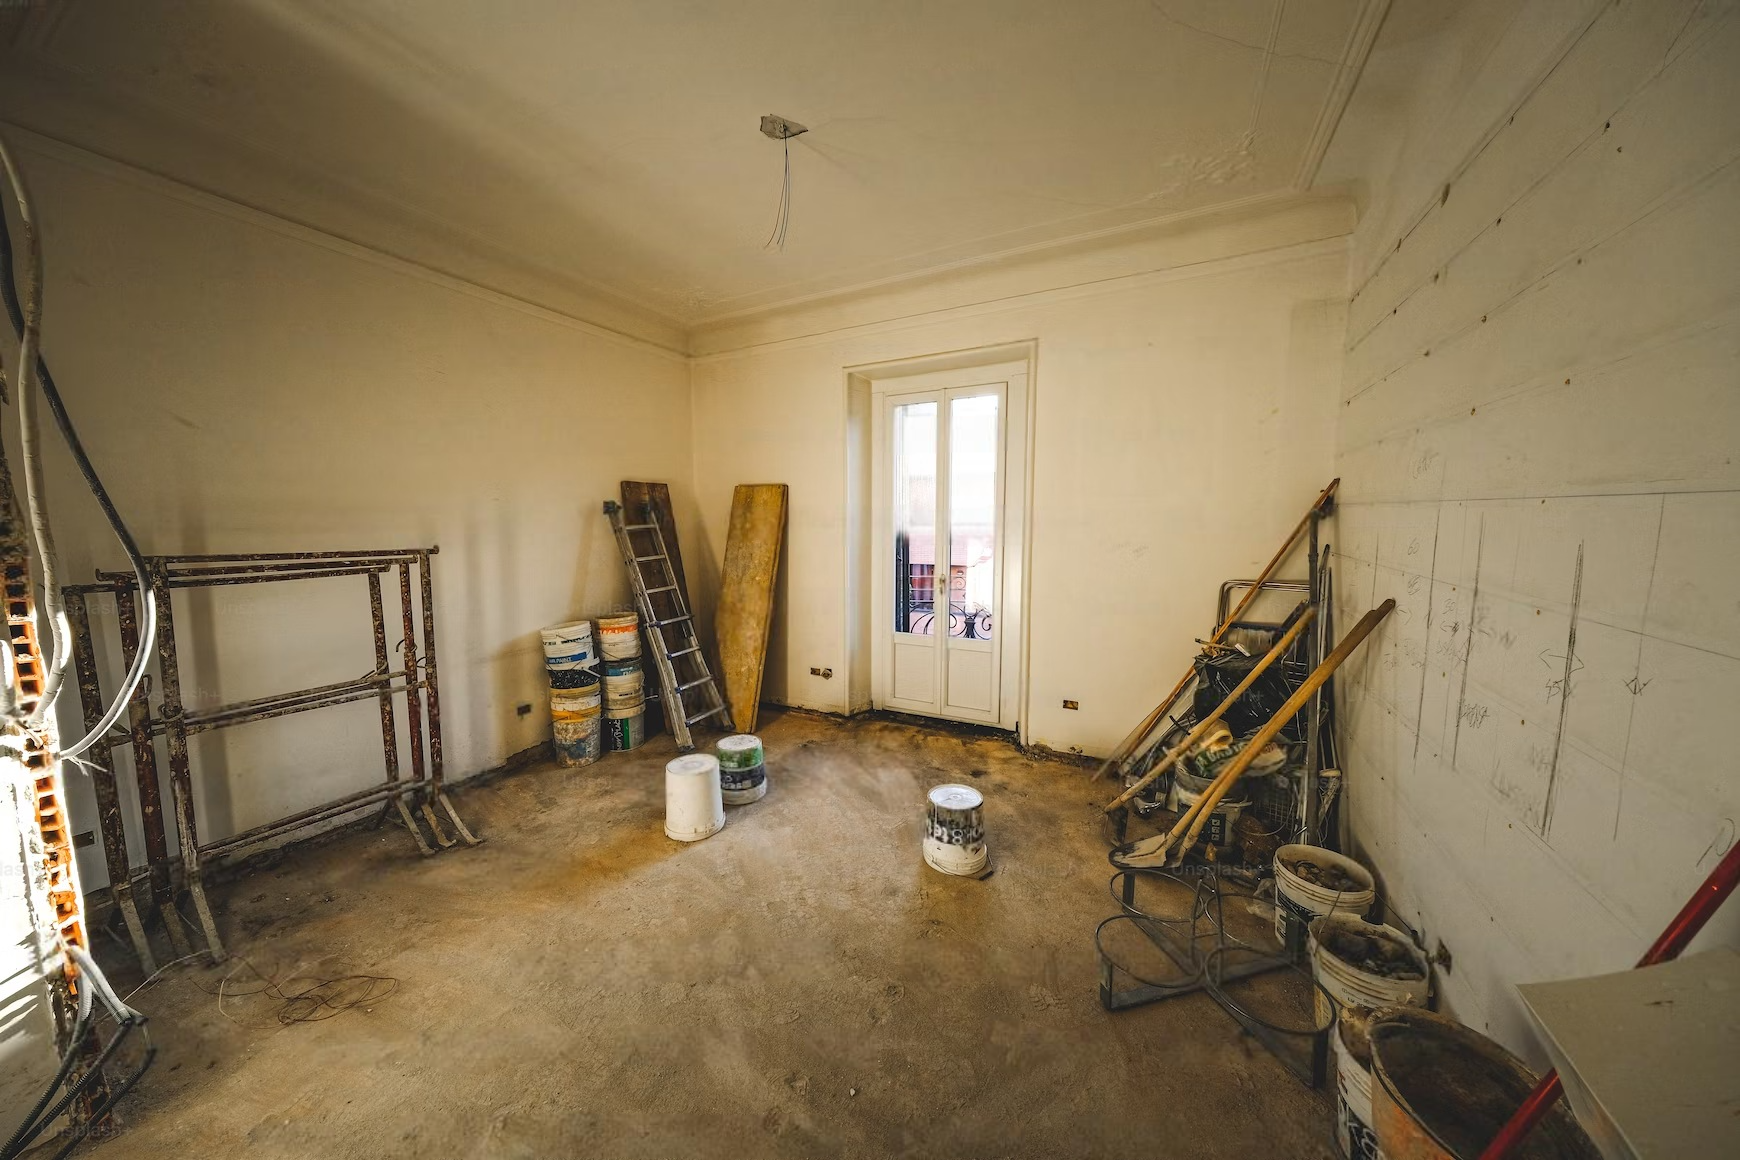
(683, 674)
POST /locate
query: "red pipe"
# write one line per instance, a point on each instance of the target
(1685, 927)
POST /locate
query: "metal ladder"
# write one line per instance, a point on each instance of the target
(683, 671)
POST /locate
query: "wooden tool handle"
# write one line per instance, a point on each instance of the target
(1134, 740)
(1301, 695)
(1196, 734)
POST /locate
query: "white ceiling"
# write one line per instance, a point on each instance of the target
(614, 145)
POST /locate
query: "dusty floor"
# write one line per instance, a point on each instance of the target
(799, 985)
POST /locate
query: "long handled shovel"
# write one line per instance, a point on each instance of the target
(1151, 852)
(1132, 743)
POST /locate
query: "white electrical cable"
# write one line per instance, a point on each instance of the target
(33, 369)
(55, 656)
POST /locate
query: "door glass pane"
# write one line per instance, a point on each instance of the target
(914, 471)
(973, 440)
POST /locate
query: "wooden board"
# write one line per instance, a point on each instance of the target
(745, 613)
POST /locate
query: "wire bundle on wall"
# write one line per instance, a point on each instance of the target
(32, 373)
(25, 725)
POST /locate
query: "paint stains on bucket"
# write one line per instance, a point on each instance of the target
(954, 836)
(742, 769)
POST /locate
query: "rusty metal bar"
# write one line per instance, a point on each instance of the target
(217, 713)
(253, 557)
(172, 581)
(101, 765)
(360, 693)
(180, 772)
(389, 728)
(159, 885)
(386, 791)
(414, 708)
(430, 679)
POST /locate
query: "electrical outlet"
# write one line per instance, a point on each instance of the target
(825, 674)
(1072, 704)
(523, 710)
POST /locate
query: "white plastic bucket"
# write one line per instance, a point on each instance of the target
(1349, 985)
(619, 636)
(742, 769)
(623, 679)
(1218, 830)
(570, 644)
(624, 728)
(625, 701)
(571, 707)
(693, 806)
(578, 742)
(954, 836)
(1299, 902)
(1353, 1127)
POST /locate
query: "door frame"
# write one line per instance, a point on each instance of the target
(870, 556)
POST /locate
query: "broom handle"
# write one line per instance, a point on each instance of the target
(1125, 746)
(1196, 734)
(1208, 801)
(1685, 926)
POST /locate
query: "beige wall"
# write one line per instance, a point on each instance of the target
(245, 385)
(1183, 418)
(1537, 435)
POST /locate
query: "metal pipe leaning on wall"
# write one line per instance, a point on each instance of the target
(1155, 851)
(1183, 747)
(1133, 744)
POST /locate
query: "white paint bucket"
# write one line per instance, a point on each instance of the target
(954, 836)
(693, 806)
(1218, 829)
(574, 706)
(570, 659)
(1353, 1128)
(624, 681)
(1349, 985)
(742, 769)
(570, 644)
(578, 742)
(624, 728)
(1299, 901)
(619, 636)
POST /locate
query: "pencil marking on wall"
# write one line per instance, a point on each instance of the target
(1637, 684)
(1413, 586)
(1564, 686)
(1468, 653)
(1721, 843)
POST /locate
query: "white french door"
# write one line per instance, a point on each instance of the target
(943, 536)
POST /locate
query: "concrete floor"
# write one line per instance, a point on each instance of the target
(799, 985)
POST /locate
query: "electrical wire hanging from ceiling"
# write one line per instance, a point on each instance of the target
(782, 130)
(34, 373)
(776, 240)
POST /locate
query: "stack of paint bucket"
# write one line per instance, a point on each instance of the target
(575, 698)
(624, 681)
(742, 769)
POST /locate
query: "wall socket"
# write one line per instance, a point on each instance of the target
(825, 674)
(1072, 704)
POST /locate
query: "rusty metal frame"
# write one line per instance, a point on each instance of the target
(416, 678)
